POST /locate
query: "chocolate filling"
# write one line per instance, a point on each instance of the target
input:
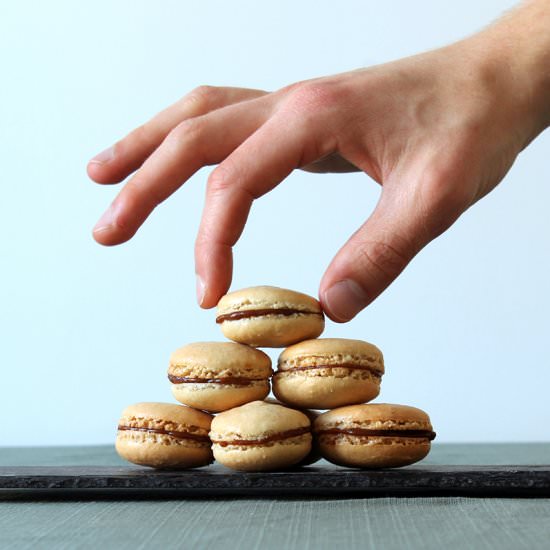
(275, 437)
(236, 315)
(172, 433)
(374, 372)
(234, 380)
(424, 434)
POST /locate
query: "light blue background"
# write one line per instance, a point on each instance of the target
(86, 330)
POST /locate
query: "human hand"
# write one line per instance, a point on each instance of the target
(438, 131)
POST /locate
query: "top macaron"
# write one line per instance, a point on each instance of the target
(268, 316)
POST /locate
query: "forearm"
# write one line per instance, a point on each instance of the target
(516, 50)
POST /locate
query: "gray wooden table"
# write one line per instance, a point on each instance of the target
(243, 523)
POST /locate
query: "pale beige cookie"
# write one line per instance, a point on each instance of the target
(268, 316)
(375, 435)
(216, 376)
(260, 436)
(328, 372)
(163, 435)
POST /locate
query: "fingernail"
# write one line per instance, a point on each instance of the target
(106, 221)
(344, 300)
(104, 157)
(200, 290)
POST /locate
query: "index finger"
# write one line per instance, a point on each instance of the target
(194, 143)
(256, 167)
(127, 155)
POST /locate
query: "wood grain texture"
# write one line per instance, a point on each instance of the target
(386, 523)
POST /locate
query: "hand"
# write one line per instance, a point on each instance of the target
(438, 131)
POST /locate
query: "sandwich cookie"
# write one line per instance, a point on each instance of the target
(163, 435)
(268, 316)
(260, 436)
(328, 373)
(376, 435)
(216, 376)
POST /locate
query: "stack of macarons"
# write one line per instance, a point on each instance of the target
(252, 433)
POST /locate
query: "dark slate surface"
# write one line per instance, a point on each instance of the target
(326, 480)
(128, 519)
(452, 469)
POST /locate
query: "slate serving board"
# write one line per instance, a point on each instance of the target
(323, 480)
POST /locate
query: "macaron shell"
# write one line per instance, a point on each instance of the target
(219, 397)
(274, 331)
(261, 458)
(332, 351)
(385, 452)
(256, 420)
(375, 416)
(150, 414)
(324, 392)
(139, 449)
(218, 360)
(266, 297)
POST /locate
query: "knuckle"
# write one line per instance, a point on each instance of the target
(288, 89)
(187, 133)
(190, 129)
(138, 196)
(203, 96)
(219, 181)
(315, 96)
(383, 257)
(312, 103)
(227, 179)
(120, 221)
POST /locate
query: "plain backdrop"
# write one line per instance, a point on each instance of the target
(87, 330)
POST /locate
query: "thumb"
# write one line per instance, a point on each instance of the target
(375, 254)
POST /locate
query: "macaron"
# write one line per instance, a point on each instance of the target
(375, 435)
(216, 376)
(260, 436)
(164, 435)
(268, 316)
(328, 372)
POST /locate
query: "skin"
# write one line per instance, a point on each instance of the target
(437, 131)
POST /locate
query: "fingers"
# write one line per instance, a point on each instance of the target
(375, 255)
(194, 143)
(116, 163)
(255, 168)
